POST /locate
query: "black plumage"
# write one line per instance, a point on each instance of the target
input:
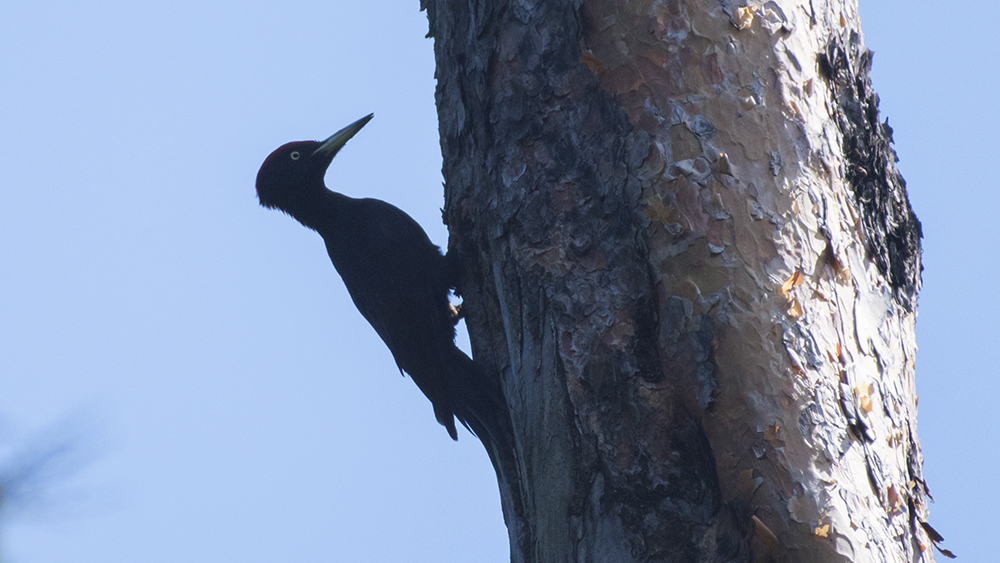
(396, 276)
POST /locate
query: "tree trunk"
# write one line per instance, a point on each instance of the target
(691, 263)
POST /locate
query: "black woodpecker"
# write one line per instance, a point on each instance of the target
(397, 277)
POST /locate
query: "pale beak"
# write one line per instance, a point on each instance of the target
(329, 148)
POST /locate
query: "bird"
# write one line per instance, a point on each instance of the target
(398, 279)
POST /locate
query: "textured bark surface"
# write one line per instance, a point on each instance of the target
(690, 261)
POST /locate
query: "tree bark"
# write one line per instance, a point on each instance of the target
(691, 263)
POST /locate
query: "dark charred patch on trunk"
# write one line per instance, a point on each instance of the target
(891, 230)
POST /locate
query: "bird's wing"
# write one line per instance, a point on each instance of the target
(396, 277)
(394, 274)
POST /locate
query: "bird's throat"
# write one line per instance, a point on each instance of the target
(318, 213)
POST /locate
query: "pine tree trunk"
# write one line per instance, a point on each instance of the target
(691, 263)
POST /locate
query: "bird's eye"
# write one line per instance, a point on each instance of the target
(294, 155)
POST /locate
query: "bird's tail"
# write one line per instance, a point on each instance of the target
(479, 404)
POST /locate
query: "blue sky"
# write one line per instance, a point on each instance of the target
(231, 402)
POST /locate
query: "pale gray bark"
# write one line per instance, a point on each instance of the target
(690, 261)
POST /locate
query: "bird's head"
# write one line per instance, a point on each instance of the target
(294, 171)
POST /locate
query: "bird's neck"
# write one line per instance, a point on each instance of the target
(318, 213)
